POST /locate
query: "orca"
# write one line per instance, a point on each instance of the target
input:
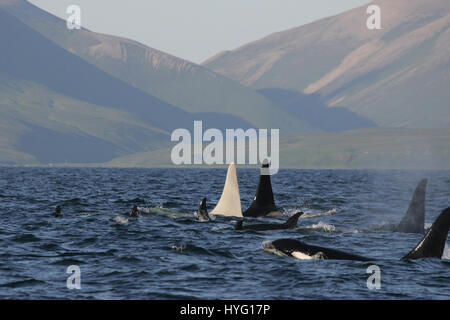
(431, 246)
(291, 223)
(134, 212)
(263, 203)
(433, 243)
(414, 219)
(230, 201)
(303, 251)
(202, 212)
(57, 212)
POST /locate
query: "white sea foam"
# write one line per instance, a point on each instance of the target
(120, 220)
(321, 226)
(313, 214)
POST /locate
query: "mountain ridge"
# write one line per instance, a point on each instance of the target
(179, 82)
(370, 72)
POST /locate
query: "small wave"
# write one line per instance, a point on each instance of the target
(73, 201)
(120, 220)
(321, 227)
(383, 226)
(218, 228)
(22, 283)
(160, 210)
(87, 214)
(308, 215)
(131, 201)
(26, 238)
(193, 249)
(67, 262)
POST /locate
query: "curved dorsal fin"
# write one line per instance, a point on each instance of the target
(292, 221)
(414, 219)
(230, 201)
(433, 244)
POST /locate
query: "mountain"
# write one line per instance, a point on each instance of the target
(56, 107)
(81, 98)
(190, 87)
(312, 109)
(397, 76)
(372, 148)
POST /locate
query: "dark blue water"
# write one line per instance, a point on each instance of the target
(166, 254)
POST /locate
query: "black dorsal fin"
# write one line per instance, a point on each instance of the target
(263, 203)
(238, 225)
(292, 221)
(414, 219)
(433, 243)
(203, 205)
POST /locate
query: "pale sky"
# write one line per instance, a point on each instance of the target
(196, 30)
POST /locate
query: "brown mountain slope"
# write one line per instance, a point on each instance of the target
(397, 76)
(181, 83)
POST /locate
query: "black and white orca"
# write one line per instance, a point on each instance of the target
(414, 219)
(263, 203)
(431, 246)
(202, 213)
(291, 223)
(303, 251)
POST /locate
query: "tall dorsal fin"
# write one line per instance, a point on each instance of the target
(433, 244)
(230, 201)
(263, 203)
(414, 219)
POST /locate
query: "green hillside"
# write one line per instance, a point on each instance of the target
(396, 76)
(377, 148)
(179, 82)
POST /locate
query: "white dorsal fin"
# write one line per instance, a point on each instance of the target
(230, 201)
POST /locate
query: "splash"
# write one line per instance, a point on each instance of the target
(321, 227)
(311, 214)
(120, 220)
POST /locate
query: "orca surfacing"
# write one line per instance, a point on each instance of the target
(431, 246)
(291, 223)
(202, 212)
(263, 204)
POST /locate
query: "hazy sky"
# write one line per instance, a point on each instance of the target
(196, 29)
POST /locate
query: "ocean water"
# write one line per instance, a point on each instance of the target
(166, 254)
